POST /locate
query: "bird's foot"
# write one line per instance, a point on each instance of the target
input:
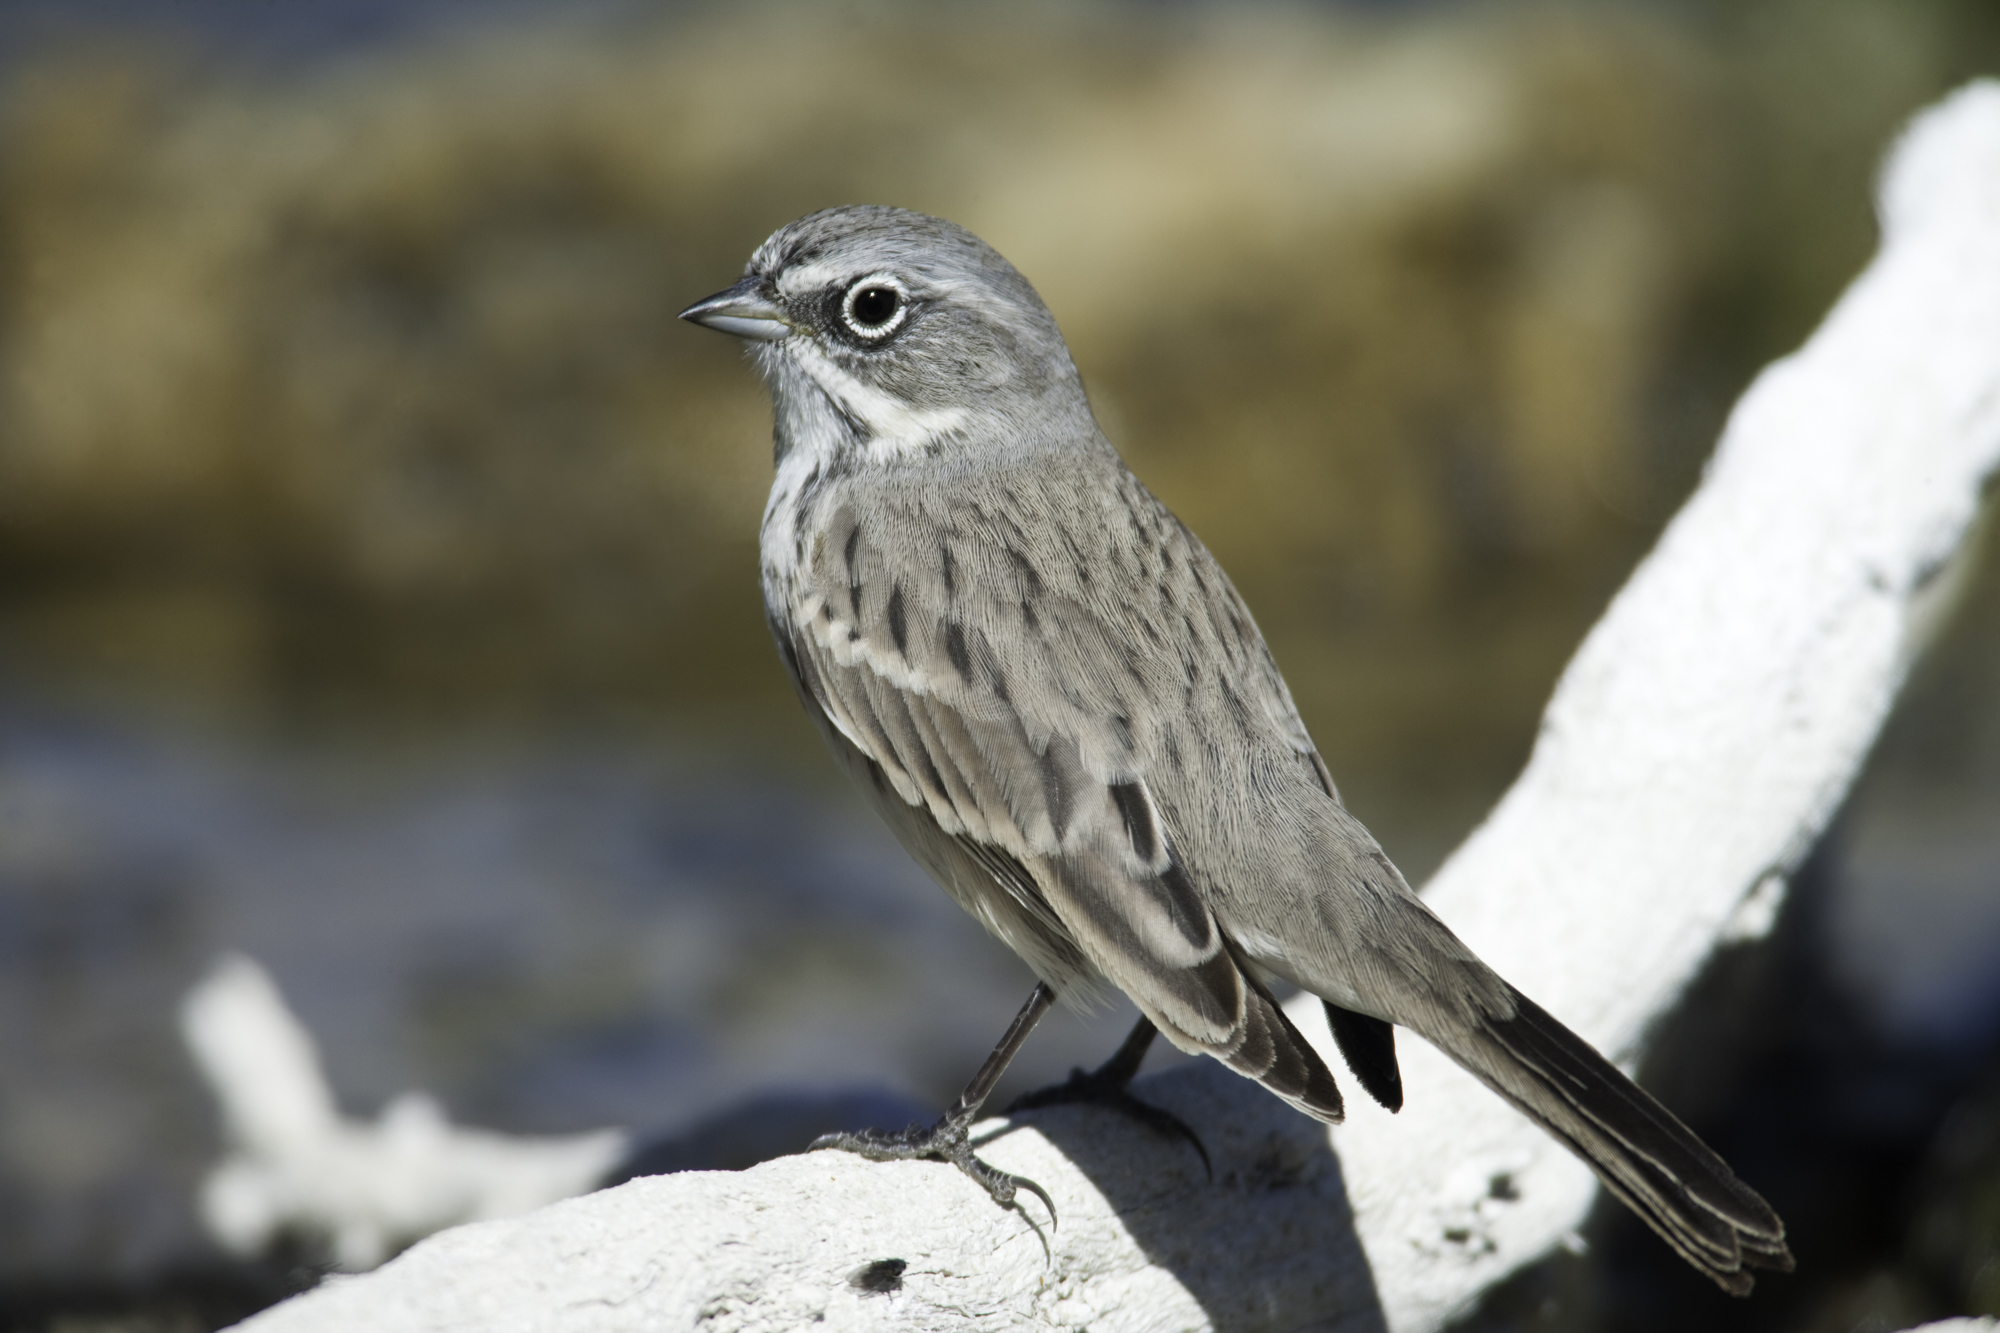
(946, 1141)
(1108, 1086)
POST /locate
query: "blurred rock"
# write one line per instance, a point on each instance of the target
(360, 393)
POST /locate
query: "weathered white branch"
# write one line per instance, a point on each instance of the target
(1713, 720)
(1693, 751)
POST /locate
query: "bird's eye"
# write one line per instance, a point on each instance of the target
(874, 307)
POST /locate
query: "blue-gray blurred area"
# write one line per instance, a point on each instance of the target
(279, 32)
(377, 564)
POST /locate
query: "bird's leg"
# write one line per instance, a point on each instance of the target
(949, 1140)
(1109, 1085)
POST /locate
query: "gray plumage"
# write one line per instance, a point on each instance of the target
(1064, 710)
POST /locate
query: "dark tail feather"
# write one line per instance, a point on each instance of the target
(1645, 1156)
(1276, 1054)
(1369, 1046)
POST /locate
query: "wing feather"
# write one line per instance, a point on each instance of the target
(1000, 709)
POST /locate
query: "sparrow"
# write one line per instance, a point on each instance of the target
(1060, 704)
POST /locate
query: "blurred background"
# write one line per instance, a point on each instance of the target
(377, 565)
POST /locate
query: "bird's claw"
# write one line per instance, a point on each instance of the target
(946, 1141)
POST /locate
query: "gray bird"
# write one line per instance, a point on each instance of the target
(1060, 704)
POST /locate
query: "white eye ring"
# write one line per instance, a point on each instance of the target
(869, 287)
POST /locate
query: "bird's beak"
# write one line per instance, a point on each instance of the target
(748, 310)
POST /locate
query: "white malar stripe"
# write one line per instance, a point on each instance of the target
(894, 426)
(779, 530)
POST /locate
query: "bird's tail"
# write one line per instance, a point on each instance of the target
(1644, 1155)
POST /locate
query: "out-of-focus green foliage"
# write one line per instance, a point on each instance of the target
(360, 395)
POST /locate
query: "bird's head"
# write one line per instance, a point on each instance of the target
(891, 335)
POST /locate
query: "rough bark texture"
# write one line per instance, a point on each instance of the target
(1693, 751)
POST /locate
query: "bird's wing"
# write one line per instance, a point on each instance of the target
(992, 693)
